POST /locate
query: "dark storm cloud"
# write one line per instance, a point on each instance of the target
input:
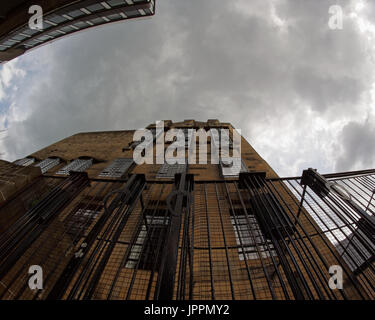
(272, 68)
(357, 140)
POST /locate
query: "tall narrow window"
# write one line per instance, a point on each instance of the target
(249, 236)
(25, 162)
(47, 164)
(79, 165)
(81, 220)
(117, 168)
(147, 248)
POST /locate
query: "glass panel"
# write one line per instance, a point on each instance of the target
(56, 19)
(144, 251)
(78, 165)
(95, 7)
(54, 33)
(249, 237)
(25, 162)
(169, 170)
(82, 219)
(44, 38)
(114, 3)
(114, 17)
(97, 20)
(134, 13)
(117, 168)
(67, 29)
(47, 164)
(30, 32)
(19, 37)
(76, 13)
(9, 43)
(81, 24)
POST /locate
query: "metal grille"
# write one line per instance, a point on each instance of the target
(168, 171)
(47, 164)
(253, 238)
(82, 219)
(117, 168)
(249, 234)
(25, 162)
(143, 252)
(78, 165)
(342, 224)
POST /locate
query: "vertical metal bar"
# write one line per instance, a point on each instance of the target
(225, 243)
(244, 251)
(300, 204)
(209, 243)
(167, 271)
(269, 249)
(304, 243)
(335, 254)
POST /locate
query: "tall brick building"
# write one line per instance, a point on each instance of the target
(102, 227)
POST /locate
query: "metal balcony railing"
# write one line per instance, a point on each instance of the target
(247, 238)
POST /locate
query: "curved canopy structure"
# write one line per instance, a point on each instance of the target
(60, 18)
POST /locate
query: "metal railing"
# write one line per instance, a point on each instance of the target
(249, 238)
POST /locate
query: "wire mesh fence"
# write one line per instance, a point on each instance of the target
(249, 238)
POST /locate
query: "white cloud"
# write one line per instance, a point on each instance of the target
(9, 72)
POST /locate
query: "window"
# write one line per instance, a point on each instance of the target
(81, 220)
(97, 20)
(168, 171)
(145, 248)
(56, 19)
(250, 235)
(54, 34)
(44, 37)
(231, 168)
(24, 162)
(76, 13)
(133, 13)
(78, 165)
(47, 164)
(80, 24)
(19, 37)
(67, 29)
(30, 32)
(95, 7)
(114, 17)
(117, 168)
(115, 3)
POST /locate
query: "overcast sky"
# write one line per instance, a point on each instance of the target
(302, 94)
